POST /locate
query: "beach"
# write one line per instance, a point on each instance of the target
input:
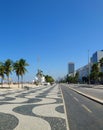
(15, 86)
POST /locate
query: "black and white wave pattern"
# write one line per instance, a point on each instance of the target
(39, 108)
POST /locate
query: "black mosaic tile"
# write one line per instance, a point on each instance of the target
(8, 121)
(60, 109)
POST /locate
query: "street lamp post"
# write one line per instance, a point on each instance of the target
(88, 68)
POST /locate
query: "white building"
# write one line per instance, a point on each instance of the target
(40, 79)
(84, 71)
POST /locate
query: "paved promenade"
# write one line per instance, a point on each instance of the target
(39, 108)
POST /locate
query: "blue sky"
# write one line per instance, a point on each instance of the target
(54, 31)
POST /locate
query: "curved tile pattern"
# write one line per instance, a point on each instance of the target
(33, 123)
(47, 111)
(7, 99)
(8, 121)
(60, 109)
(37, 108)
(56, 123)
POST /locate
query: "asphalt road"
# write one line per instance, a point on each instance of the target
(82, 113)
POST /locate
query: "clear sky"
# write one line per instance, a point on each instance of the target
(50, 33)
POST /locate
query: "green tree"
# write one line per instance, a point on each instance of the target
(49, 79)
(20, 69)
(23, 70)
(85, 79)
(101, 64)
(76, 77)
(101, 77)
(2, 72)
(16, 69)
(70, 79)
(8, 69)
(94, 73)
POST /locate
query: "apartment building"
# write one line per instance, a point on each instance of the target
(85, 70)
(71, 68)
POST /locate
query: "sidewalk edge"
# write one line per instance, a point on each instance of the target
(68, 128)
(88, 96)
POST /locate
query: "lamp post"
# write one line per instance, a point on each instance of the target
(88, 68)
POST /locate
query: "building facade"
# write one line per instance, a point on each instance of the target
(71, 68)
(97, 56)
(85, 70)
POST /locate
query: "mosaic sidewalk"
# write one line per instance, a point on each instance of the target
(39, 108)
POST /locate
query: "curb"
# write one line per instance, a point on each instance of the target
(88, 96)
(68, 128)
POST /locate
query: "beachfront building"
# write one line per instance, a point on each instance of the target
(71, 69)
(85, 70)
(40, 78)
(97, 56)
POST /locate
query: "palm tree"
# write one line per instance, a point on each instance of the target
(2, 71)
(23, 70)
(16, 69)
(20, 69)
(8, 68)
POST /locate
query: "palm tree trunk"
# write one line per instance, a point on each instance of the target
(18, 81)
(2, 82)
(8, 81)
(22, 81)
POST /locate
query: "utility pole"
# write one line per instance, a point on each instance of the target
(38, 62)
(88, 68)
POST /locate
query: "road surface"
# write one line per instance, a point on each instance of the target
(82, 113)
